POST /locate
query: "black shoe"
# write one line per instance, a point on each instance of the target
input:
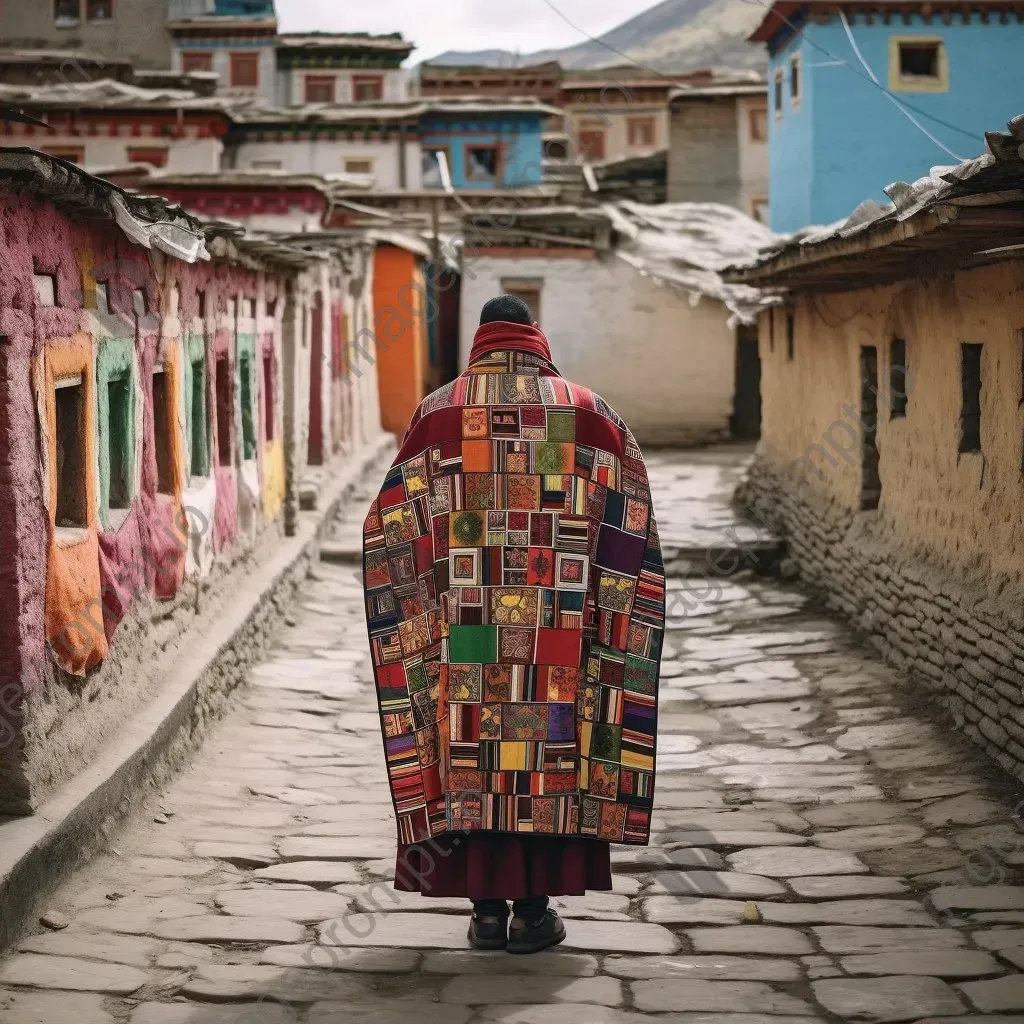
(531, 936)
(488, 927)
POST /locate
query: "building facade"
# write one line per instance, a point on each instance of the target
(893, 434)
(605, 303)
(837, 136)
(322, 67)
(615, 113)
(718, 146)
(159, 395)
(107, 124)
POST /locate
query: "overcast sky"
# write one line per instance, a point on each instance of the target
(525, 25)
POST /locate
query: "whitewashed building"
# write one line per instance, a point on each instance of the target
(633, 306)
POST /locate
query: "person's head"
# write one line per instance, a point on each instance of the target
(507, 309)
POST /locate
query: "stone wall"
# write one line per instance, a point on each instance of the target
(935, 574)
(704, 153)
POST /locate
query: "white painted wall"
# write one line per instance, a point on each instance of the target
(396, 83)
(102, 152)
(666, 367)
(322, 157)
(753, 155)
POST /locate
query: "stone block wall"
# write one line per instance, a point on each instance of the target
(964, 646)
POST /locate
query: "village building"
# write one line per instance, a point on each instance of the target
(867, 92)
(161, 398)
(615, 113)
(327, 67)
(602, 279)
(486, 144)
(891, 453)
(94, 31)
(107, 124)
(718, 144)
(236, 40)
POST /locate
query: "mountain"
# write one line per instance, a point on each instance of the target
(675, 35)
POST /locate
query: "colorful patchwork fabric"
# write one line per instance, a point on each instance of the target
(515, 598)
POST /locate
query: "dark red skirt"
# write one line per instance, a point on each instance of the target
(503, 866)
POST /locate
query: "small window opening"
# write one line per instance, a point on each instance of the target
(482, 163)
(70, 468)
(119, 449)
(790, 335)
(919, 60)
(795, 82)
(898, 378)
(223, 386)
(970, 383)
(139, 304)
(245, 392)
(201, 300)
(777, 93)
(46, 289)
(268, 395)
(197, 407)
(162, 427)
(271, 307)
(870, 484)
(102, 297)
(771, 330)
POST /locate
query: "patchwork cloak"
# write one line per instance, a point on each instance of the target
(515, 600)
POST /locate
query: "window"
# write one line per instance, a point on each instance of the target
(65, 13)
(196, 60)
(771, 330)
(777, 94)
(757, 121)
(592, 143)
(73, 154)
(46, 289)
(790, 335)
(556, 149)
(99, 10)
(759, 210)
(120, 457)
(482, 163)
(641, 131)
(897, 378)
(268, 396)
(528, 289)
(320, 88)
(366, 88)
(918, 64)
(156, 156)
(870, 482)
(359, 165)
(70, 469)
(245, 70)
(970, 409)
(432, 173)
(201, 303)
(796, 84)
(197, 412)
(245, 394)
(224, 411)
(271, 307)
(163, 425)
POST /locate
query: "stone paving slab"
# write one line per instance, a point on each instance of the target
(808, 860)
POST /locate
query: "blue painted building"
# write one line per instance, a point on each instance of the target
(487, 145)
(837, 138)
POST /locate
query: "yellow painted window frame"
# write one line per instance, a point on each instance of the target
(897, 83)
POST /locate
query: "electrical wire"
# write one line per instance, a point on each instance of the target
(895, 102)
(799, 32)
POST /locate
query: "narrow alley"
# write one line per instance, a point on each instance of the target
(821, 850)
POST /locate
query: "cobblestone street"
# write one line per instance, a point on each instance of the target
(822, 851)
